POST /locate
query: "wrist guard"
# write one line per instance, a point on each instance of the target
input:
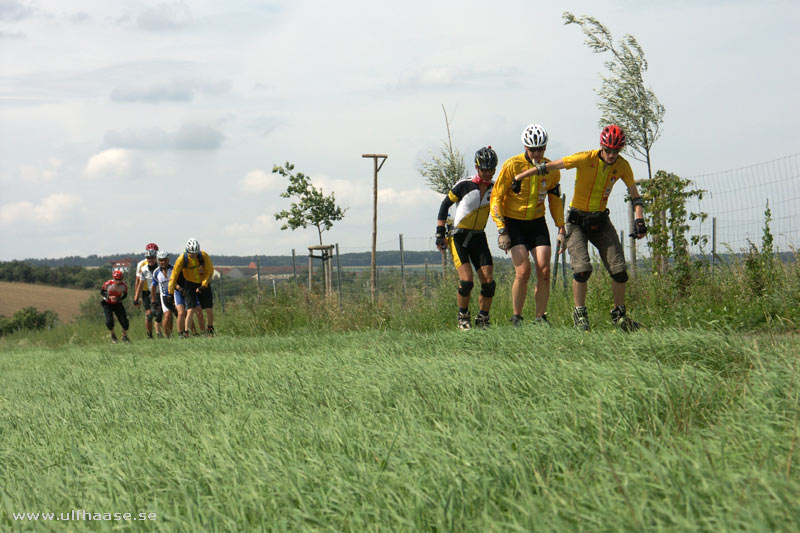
(639, 227)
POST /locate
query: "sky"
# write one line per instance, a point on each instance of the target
(124, 123)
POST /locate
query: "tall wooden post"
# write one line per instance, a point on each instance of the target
(377, 168)
(402, 267)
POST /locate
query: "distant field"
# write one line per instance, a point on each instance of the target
(65, 302)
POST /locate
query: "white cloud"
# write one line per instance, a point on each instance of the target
(406, 198)
(12, 10)
(439, 76)
(37, 175)
(197, 138)
(261, 225)
(50, 210)
(111, 163)
(165, 17)
(173, 91)
(259, 181)
(186, 138)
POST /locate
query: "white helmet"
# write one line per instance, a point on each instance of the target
(192, 246)
(163, 255)
(534, 136)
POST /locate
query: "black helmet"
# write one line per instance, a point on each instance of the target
(486, 158)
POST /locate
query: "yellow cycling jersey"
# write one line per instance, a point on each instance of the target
(594, 179)
(193, 270)
(528, 203)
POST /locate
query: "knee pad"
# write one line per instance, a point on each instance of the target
(465, 287)
(581, 277)
(149, 316)
(487, 289)
(620, 277)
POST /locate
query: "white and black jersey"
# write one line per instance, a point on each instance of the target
(472, 208)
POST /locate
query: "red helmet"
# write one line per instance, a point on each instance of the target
(117, 275)
(612, 137)
(151, 250)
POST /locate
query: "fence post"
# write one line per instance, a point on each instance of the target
(339, 275)
(310, 269)
(402, 267)
(713, 243)
(258, 275)
(274, 290)
(425, 286)
(632, 239)
(221, 293)
(294, 267)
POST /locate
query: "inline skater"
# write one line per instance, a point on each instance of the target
(141, 291)
(518, 211)
(588, 221)
(113, 292)
(468, 240)
(196, 267)
(159, 286)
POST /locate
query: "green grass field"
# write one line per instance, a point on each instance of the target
(501, 430)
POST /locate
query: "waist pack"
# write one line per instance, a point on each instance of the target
(594, 221)
(469, 233)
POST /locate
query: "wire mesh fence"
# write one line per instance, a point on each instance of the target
(735, 201)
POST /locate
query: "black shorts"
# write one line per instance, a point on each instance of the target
(476, 250)
(204, 298)
(531, 233)
(146, 299)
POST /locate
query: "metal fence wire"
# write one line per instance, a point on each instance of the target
(734, 200)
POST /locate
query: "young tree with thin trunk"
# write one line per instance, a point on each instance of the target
(625, 100)
(445, 169)
(312, 206)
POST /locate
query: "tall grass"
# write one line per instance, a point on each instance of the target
(507, 429)
(721, 299)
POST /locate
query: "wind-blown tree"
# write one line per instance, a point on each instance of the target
(625, 100)
(445, 169)
(312, 207)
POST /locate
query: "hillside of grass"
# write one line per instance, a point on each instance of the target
(507, 429)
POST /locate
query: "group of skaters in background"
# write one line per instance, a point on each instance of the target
(516, 203)
(182, 291)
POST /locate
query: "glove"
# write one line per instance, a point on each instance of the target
(154, 307)
(441, 240)
(504, 242)
(169, 300)
(136, 302)
(516, 186)
(561, 239)
(639, 228)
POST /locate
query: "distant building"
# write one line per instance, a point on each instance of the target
(123, 265)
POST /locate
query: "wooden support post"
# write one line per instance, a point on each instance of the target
(377, 168)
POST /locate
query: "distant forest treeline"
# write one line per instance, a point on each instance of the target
(387, 258)
(60, 276)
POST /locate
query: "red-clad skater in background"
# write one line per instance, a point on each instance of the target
(114, 291)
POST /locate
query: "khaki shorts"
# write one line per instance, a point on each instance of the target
(605, 240)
